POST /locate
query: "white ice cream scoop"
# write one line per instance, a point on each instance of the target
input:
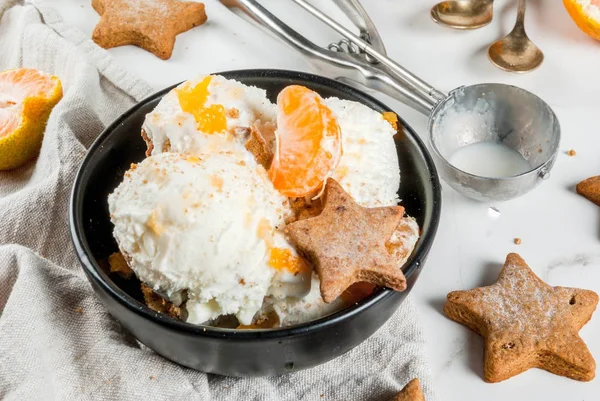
(204, 225)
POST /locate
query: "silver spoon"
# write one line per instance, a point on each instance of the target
(463, 14)
(516, 52)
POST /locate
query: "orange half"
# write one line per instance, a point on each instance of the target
(283, 259)
(587, 17)
(27, 97)
(308, 142)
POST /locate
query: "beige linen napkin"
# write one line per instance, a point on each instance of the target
(57, 341)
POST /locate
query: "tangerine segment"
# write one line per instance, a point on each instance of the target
(586, 14)
(27, 97)
(283, 259)
(308, 142)
(211, 119)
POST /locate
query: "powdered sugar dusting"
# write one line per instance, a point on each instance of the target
(158, 8)
(519, 302)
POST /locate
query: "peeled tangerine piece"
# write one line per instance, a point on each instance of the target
(211, 119)
(308, 142)
(27, 97)
(586, 14)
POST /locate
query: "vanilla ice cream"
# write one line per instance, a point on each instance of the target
(200, 222)
(295, 310)
(203, 228)
(368, 169)
(229, 109)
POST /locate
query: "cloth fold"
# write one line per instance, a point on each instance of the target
(57, 341)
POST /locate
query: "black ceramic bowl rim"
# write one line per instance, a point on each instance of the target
(101, 278)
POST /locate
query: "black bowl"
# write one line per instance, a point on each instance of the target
(227, 351)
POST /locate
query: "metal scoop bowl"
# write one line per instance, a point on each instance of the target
(502, 115)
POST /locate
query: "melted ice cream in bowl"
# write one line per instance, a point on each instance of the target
(494, 141)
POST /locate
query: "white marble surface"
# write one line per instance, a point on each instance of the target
(560, 230)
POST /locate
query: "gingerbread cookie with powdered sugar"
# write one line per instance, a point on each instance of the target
(149, 24)
(347, 243)
(590, 189)
(527, 323)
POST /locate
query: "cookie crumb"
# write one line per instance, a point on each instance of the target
(107, 381)
(517, 241)
(152, 377)
(233, 113)
(259, 145)
(118, 264)
(79, 309)
(571, 152)
(540, 150)
(158, 303)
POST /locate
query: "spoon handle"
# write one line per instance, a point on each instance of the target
(521, 14)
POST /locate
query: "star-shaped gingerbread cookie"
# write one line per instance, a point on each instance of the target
(526, 324)
(411, 392)
(590, 189)
(347, 243)
(149, 24)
